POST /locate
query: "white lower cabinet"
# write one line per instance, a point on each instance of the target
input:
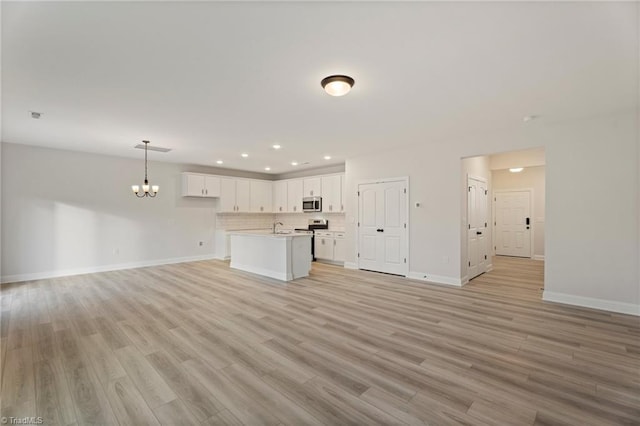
(329, 245)
(324, 245)
(338, 247)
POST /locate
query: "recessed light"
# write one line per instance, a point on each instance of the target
(327, 157)
(294, 163)
(35, 114)
(244, 155)
(516, 169)
(267, 168)
(337, 85)
(276, 146)
(219, 162)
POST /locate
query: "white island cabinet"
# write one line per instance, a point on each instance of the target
(284, 256)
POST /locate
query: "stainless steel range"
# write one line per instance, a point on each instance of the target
(313, 225)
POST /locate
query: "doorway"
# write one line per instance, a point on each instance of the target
(383, 226)
(477, 226)
(513, 233)
(515, 200)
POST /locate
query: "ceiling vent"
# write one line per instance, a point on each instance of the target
(153, 148)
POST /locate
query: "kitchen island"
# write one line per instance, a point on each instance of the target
(284, 256)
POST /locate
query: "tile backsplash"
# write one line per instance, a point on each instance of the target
(236, 221)
(293, 220)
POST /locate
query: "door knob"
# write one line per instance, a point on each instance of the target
(478, 233)
(379, 230)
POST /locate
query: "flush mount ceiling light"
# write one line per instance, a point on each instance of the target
(267, 168)
(337, 85)
(276, 146)
(294, 163)
(219, 162)
(327, 157)
(244, 155)
(516, 169)
(145, 187)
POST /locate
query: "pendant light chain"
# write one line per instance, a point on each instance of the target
(146, 144)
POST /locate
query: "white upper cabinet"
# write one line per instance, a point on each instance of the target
(240, 195)
(342, 192)
(243, 195)
(331, 194)
(199, 185)
(312, 187)
(227, 195)
(261, 194)
(294, 195)
(237, 195)
(280, 196)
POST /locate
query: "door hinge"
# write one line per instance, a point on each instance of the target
(469, 225)
(358, 223)
(485, 257)
(469, 189)
(469, 263)
(495, 199)
(405, 260)
(405, 190)
(405, 226)
(358, 254)
(485, 192)
(358, 193)
(494, 223)
(485, 224)
(495, 248)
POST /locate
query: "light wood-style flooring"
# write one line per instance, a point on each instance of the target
(199, 343)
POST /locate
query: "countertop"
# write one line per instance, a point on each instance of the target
(267, 233)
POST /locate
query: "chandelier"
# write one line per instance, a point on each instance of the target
(145, 187)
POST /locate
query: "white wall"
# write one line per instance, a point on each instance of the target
(523, 158)
(67, 212)
(529, 178)
(592, 215)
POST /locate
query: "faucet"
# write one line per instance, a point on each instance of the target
(276, 224)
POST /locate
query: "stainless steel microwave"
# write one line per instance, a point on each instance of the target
(312, 204)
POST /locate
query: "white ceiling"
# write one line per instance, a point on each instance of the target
(212, 80)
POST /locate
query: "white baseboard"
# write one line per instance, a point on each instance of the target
(590, 302)
(538, 257)
(436, 279)
(103, 268)
(350, 265)
(282, 276)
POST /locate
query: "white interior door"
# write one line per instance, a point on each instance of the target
(477, 227)
(513, 226)
(382, 231)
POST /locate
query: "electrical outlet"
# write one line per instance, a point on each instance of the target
(200, 243)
